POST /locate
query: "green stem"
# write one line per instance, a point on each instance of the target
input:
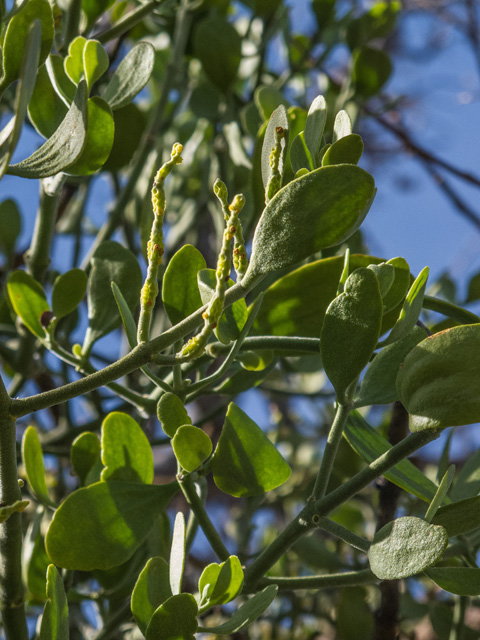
(192, 524)
(72, 26)
(127, 22)
(188, 488)
(457, 631)
(309, 516)
(450, 310)
(330, 581)
(337, 530)
(279, 343)
(137, 358)
(11, 588)
(331, 448)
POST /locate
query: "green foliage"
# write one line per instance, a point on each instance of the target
(111, 87)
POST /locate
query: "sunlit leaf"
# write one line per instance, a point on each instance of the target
(175, 619)
(180, 292)
(191, 446)
(28, 300)
(172, 413)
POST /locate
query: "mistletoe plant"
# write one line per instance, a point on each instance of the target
(279, 304)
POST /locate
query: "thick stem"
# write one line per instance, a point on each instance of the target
(331, 448)
(308, 517)
(11, 588)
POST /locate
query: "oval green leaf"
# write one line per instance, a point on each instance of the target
(464, 581)
(28, 300)
(73, 63)
(126, 452)
(45, 110)
(220, 583)
(95, 61)
(172, 413)
(311, 213)
(177, 554)
(459, 517)
(175, 619)
(99, 139)
(347, 150)
(245, 462)
(314, 126)
(102, 525)
(191, 446)
(34, 469)
(351, 329)
(180, 292)
(84, 455)
(218, 46)
(151, 590)
(55, 624)
(131, 75)
(405, 547)
(68, 291)
(438, 381)
(371, 70)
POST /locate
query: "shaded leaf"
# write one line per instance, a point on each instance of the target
(55, 614)
(126, 452)
(347, 150)
(405, 547)
(440, 494)
(438, 381)
(300, 157)
(84, 455)
(411, 308)
(28, 300)
(10, 225)
(351, 329)
(126, 315)
(180, 293)
(175, 619)
(151, 590)
(99, 140)
(459, 517)
(467, 482)
(131, 75)
(464, 581)
(45, 110)
(247, 613)
(68, 291)
(314, 126)
(101, 526)
(371, 70)
(245, 462)
(267, 99)
(34, 469)
(35, 560)
(218, 47)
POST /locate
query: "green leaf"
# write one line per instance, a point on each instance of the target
(68, 291)
(218, 46)
(440, 494)
(350, 330)
(84, 455)
(93, 9)
(73, 63)
(177, 554)
(473, 288)
(405, 547)
(151, 590)
(35, 560)
(131, 75)
(63, 148)
(290, 309)
(247, 613)
(180, 293)
(16, 507)
(464, 581)
(126, 452)
(467, 483)
(126, 315)
(314, 126)
(99, 140)
(110, 263)
(459, 517)
(175, 619)
(411, 308)
(438, 381)
(342, 126)
(378, 22)
(220, 583)
(16, 35)
(354, 617)
(102, 525)
(379, 383)
(45, 110)
(300, 157)
(28, 300)
(400, 286)
(233, 318)
(370, 445)
(64, 87)
(245, 462)
(95, 61)
(34, 469)
(324, 11)
(130, 122)
(316, 211)
(371, 70)
(10, 225)
(191, 446)
(172, 414)
(347, 150)
(385, 275)
(279, 118)
(55, 614)
(267, 99)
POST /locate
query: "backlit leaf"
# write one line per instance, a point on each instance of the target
(68, 291)
(28, 300)
(180, 293)
(151, 590)
(175, 619)
(34, 469)
(84, 455)
(191, 446)
(54, 624)
(220, 583)
(172, 413)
